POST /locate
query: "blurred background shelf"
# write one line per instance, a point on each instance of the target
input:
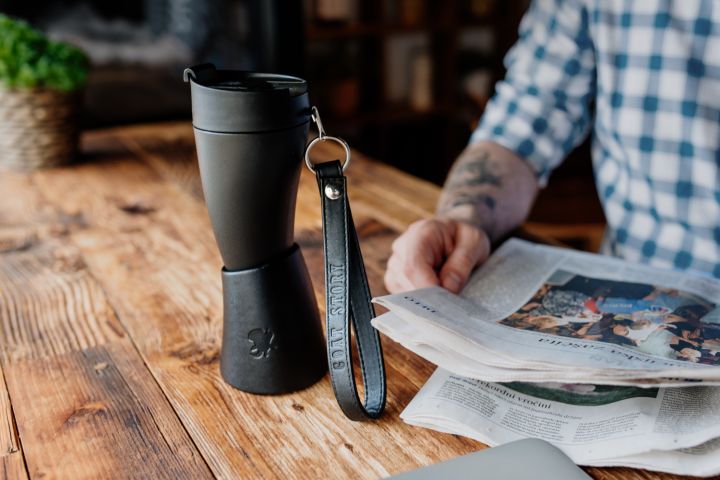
(405, 80)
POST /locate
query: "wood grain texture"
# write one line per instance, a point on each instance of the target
(49, 302)
(8, 436)
(12, 467)
(11, 456)
(97, 413)
(54, 317)
(54, 305)
(132, 228)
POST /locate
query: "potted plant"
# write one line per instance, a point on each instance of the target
(40, 89)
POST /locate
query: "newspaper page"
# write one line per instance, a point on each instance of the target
(550, 309)
(469, 362)
(673, 430)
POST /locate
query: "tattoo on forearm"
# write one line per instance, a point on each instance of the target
(471, 190)
(473, 200)
(476, 171)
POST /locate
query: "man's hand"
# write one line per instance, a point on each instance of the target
(488, 192)
(437, 251)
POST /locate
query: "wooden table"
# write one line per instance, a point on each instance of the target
(110, 319)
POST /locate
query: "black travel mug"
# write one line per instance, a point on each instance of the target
(250, 134)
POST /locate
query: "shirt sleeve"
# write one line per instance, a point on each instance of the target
(542, 109)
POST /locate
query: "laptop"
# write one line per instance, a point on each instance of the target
(528, 459)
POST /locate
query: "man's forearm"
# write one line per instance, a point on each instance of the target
(491, 187)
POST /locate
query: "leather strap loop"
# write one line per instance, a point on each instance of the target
(348, 300)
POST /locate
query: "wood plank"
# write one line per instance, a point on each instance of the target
(52, 308)
(12, 467)
(8, 436)
(11, 455)
(49, 303)
(97, 413)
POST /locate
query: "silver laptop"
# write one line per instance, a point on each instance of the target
(527, 459)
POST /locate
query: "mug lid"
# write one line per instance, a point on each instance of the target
(236, 101)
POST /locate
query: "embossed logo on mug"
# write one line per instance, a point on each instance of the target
(262, 342)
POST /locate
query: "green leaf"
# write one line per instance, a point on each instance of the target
(28, 59)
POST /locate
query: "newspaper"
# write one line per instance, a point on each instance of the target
(544, 314)
(614, 363)
(673, 430)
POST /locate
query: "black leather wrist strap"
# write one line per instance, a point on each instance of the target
(348, 298)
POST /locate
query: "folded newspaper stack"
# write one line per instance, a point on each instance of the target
(584, 351)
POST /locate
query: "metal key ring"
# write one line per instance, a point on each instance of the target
(342, 142)
(315, 116)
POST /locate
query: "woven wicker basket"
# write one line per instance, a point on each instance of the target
(38, 127)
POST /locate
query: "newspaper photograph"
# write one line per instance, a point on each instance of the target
(659, 321)
(672, 430)
(554, 312)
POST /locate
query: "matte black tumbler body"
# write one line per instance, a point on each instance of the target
(250, 133)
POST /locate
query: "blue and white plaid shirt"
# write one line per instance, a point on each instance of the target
(644, 76)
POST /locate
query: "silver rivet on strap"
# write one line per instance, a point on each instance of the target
(332, 192)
